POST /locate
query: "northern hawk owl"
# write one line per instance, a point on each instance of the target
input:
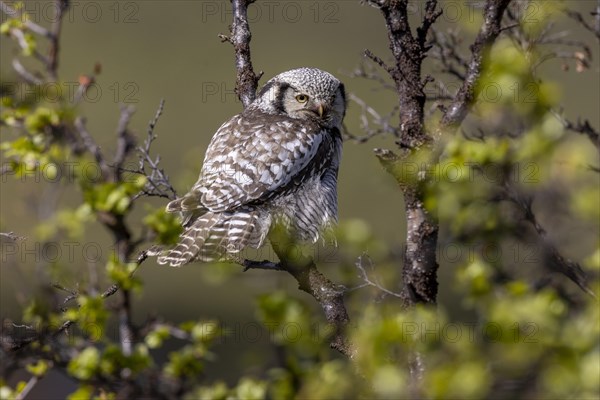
(275, 163)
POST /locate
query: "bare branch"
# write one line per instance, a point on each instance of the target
(29, 77)
(158, 183)
(594, 28)
(445, 51)
(584, 128)
(247, 80)
(265, 264)
(368, 281)
(371, 122)
(431, 15)
(457, 110)
(366, 71)
(92, 147)
(378, 61)
(52, 66)
(27, 388)
(125, 141)
(556, 261)
(329, 295)
(408, 53)
(12, 236)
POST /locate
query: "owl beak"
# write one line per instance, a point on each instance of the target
(319, 109)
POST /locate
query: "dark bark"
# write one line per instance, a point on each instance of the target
(247, 80)
(420, 264)
(409, 50)
(419, 273)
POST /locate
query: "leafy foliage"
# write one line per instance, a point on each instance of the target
(526, 334)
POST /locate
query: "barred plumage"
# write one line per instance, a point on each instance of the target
(277, 162)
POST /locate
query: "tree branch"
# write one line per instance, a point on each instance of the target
(420, 265)
(61, 6)
(158, 183)
(329, 295)
(125, 141)
(12, 236)
(555, 260)
(419, 273)
(92, 147)
(585, 128)
(491, 28)
(594, 28)
(247, 80)
(409, 52)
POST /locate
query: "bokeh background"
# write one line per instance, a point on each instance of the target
(153, 50)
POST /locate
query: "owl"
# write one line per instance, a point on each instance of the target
(275, 164)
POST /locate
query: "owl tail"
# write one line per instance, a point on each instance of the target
(212, 235)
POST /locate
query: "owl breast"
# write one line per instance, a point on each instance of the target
(309, 206)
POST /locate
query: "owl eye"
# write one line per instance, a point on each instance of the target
(302, 98)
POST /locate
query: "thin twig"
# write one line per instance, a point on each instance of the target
(125, 141)
(52, 66)
(158, 183)
(29, 77)
(584, 128)
(364, 276)
(594, 28)
(12, 236)
(372, 122)
(92, 147)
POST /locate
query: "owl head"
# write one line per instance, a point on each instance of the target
(305, 93)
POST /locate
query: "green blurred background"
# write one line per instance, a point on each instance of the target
(152, 50)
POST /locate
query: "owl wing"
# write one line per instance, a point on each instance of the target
(250, 158)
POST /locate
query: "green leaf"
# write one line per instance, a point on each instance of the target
(250, 389)
(40, 119)
(121, 274)
(187, 362)
(84, 392)
(84, 366)
(38, 369)
(166, 226)
(155, 338)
